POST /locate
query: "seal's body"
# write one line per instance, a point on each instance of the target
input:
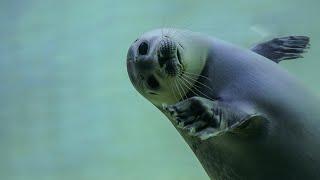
(290, 145)
(243, 115)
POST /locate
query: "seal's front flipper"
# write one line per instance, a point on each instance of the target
(204, 118)
(283, 48)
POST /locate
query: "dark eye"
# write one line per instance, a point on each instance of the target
(143, 48)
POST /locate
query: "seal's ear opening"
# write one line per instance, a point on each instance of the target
(143, 48)
(153, 83)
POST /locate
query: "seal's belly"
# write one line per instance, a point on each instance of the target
(231, 157)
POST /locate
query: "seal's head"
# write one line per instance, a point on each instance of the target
(158, 61)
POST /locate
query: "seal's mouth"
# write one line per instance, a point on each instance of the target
(169, 57)
(152, 83)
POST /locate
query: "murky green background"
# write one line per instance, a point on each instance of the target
(67, 107)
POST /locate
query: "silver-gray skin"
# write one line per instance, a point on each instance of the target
(243, 115)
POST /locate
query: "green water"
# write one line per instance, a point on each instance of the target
(68, 110)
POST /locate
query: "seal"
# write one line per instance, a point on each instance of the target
(243, 115)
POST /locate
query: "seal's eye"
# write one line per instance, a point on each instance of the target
(143, 48)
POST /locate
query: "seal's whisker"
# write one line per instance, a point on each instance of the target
(164, 27)
(174, 87)
(188, 86)
(182, 87)
(173, 92)
(184, 96)
(168, 33)
(198, 84)
(196, 81)
(174, 32)
(184, 34)
(197, 75)
(175, 82)
(196, 88)
(194, 77)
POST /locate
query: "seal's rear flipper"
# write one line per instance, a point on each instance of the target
(283, 48)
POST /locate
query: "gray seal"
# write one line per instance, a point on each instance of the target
(243, 115)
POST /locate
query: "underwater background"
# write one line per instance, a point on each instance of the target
(67, 107)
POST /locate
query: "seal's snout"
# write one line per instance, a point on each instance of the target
(168, 47)
(144, 63)
(167, 50)
(168, 56)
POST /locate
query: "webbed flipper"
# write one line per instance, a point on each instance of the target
(204, 118)
(283, 48)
